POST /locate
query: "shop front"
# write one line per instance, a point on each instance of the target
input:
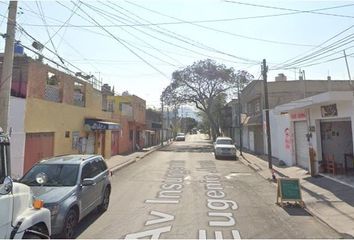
(323, 133)
(102, 137)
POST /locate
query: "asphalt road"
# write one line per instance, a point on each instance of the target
(181, 191)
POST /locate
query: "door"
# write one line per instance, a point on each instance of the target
(251, 140)
(301, 145)
(337, 140)
(115, 143)
(37, 147)
(89, 194)
(90, 144)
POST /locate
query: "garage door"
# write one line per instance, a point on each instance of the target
(38, 146)
(301, 145)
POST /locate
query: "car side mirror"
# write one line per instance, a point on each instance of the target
(88, 182)
(6, 187)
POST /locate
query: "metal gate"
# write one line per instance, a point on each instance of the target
(301, 145)
(37, 147)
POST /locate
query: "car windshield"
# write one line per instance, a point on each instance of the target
(224, 141)
(180, 134)
(58, 175)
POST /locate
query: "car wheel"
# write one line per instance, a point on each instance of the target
(105, 202)
(70, 224)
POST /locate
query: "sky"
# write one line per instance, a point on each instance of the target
(136, 45)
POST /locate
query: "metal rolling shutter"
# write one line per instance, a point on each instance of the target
(301, 145)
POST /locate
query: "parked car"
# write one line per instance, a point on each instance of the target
(224, 147)
(181, 137)
(71, 186)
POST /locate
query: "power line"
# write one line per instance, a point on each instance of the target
(170, 43)
(119, 41)
(292, 10)
(222, 31)
(109, 19)
(184, 38)
(320, 45)
(336, 45)
(34, 39)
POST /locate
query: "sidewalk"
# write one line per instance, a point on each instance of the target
(326, 199)
(117, 162)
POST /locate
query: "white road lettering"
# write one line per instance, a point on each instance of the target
(230, 222)
(152, 234)
(218, 235)
(163, 217)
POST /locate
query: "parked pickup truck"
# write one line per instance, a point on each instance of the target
(21, 216)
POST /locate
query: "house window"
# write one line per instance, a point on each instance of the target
(52, 88)
(79, 97)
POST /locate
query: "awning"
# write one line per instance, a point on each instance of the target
(323, 98)
(93, 124)
(253, 120)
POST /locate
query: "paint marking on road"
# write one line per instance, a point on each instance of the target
(163, 217)
(162, 201)
(153, 234)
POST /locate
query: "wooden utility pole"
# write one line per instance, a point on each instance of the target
(7, 65)
(266, 106)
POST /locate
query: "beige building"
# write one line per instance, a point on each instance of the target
(54, 113)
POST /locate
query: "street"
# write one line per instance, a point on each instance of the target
(181, 191)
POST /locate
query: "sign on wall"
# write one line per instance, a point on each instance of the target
(329, 110)
(298, 116)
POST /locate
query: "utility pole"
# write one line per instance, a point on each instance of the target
(346, 61)
(239, 116)
(168, 124)
(6, 76)
(162, 122)
(266, 106)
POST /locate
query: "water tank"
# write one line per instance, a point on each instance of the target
(18, 49)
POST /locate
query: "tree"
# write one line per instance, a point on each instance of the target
(201, 83)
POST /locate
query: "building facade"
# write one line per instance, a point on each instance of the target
(279, 92)
(54, 113)
(320, 130)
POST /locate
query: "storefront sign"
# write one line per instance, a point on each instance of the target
(92, 124)
(298, 116)
(329, 110)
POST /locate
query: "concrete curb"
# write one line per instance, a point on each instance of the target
(136, 159)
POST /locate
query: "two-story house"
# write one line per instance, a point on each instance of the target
(54, 113)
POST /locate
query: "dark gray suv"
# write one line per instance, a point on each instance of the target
(71, 187)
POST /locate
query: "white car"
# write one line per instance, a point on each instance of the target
(224, 147)
(180, 137)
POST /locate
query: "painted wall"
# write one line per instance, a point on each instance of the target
(18, 137)
(60, 118)
(281, 137)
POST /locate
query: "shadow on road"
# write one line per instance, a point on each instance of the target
(295, 210)
(341, 191)
(186, 148)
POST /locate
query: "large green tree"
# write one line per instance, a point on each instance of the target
(202, 84)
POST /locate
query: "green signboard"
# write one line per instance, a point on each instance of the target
(289, 190)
